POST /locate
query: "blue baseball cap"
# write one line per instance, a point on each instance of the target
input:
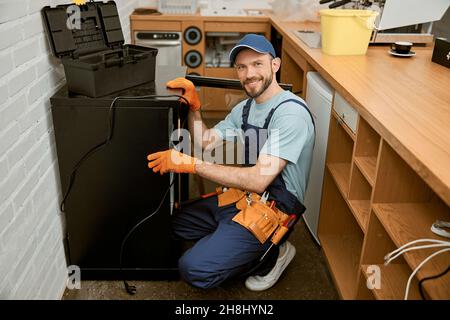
(255, 42)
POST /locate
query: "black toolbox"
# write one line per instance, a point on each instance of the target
(441, 52)
(90, 43)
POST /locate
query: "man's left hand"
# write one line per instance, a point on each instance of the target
(171, 161)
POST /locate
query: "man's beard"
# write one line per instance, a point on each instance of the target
(266, 83)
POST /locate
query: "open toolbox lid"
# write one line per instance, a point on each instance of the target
(79, 30)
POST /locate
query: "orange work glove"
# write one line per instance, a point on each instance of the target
(173, 161)
(189, 91)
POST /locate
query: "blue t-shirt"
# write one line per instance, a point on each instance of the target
(290, 136)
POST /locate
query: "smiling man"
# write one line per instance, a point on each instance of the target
(236, 229)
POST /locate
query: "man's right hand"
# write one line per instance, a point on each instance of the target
(189, 92)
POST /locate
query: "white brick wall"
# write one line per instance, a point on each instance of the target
(32, 260)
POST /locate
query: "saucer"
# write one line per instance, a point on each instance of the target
(410, 54)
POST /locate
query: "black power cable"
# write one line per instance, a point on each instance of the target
(111, 115)
(420, 284)
(129, 288)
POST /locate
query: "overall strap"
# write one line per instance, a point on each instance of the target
(269, 116)
(245, 113)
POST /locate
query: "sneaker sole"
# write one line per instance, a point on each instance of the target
(291, 254)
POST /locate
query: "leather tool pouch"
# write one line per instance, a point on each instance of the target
(260, 220)
(230, 196)
(279, 234)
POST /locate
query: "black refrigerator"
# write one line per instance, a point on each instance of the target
(109, 188)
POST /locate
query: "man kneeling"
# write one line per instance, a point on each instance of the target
(243, 229)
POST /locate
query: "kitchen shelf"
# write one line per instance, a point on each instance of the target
(338, 120)
(342, 253)
(367, 165)
(361, 211)
(373, 202)
(341, 238)
(393, 280)
(339, 156)
(363, 293)
(396, 219)
(340, 173)
(366, 150)
(359, 197)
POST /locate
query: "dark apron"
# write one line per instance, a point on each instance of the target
(284, 199)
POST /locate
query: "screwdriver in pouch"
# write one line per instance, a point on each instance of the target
(281, 232)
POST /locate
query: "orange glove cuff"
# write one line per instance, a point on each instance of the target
(189, 92)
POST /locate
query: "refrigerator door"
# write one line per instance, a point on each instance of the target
(319, 96)
(111, 190)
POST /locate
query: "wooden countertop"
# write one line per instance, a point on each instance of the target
(406, 100)
(197, 16)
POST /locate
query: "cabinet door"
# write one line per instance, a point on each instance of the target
(294, 68)
(218, 102)
(220, 38)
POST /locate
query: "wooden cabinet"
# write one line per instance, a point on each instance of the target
(373, 203)
(216, 102)
(238, 26)
(222, 36)
(294, 68)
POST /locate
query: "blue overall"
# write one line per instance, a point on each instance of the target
(225, 248)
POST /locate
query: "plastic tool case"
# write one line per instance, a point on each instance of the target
(90, 43)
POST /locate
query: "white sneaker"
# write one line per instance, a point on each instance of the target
(260, 283)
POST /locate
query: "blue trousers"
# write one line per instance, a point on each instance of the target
(224, 248)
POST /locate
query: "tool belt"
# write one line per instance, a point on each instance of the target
(256, 216)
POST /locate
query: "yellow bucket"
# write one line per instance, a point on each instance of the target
(346, 31)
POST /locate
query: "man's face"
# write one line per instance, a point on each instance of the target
(254, 71)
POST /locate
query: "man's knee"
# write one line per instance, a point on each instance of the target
(194, 272)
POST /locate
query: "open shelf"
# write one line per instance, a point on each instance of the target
(343, 253)
(407, 207)
(359, 197)
(386, 282)
(373, 202)
(350, 133)
(366, 150)
(367, 165)
(361, 211)
(339, 156)
(363, 292)
(341, 238)
(393, 280)
(396, 219)
(341, 175)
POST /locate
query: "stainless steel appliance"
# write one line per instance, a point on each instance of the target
(169, 45)
(319, 95)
